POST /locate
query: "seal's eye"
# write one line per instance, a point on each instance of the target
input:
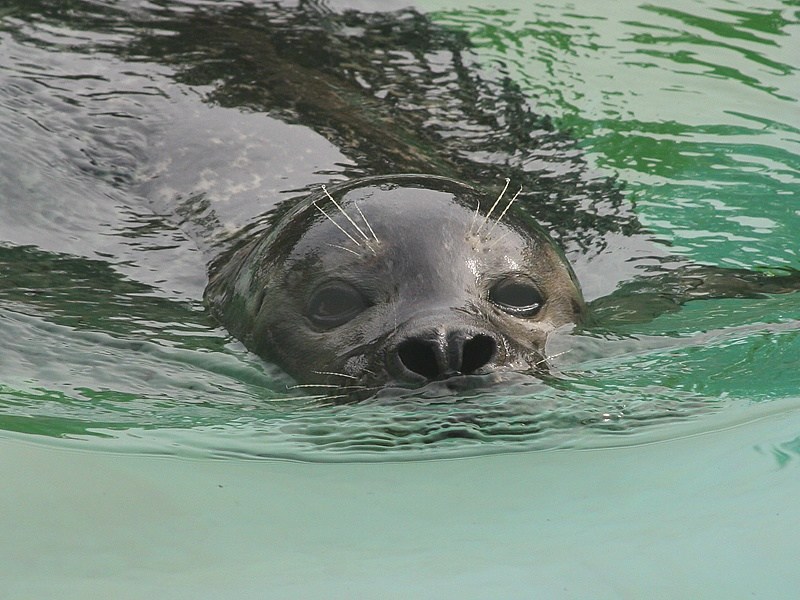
(517, 297)
(335, 304)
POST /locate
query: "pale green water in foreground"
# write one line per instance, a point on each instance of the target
(142, 456)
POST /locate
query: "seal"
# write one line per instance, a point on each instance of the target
(398, 280)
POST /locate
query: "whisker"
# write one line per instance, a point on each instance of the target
(312, 385)
(334, 397)
(550, 357)
(474, 218)
(505, 210)
(338, 396)
(345, 249)
(498, 240)
(337, 225)
(335, 373)
(327, 385)
(314, 397)
(367, 222)
(496, 202)
(365, 389)
(346, 216)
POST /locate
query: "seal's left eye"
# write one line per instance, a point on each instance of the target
(518, 297)
(335, 304)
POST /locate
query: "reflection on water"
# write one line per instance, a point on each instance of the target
(132, 136)
(694, 106)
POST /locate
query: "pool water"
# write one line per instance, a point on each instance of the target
(146, 452)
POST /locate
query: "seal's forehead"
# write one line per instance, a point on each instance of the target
(401, 205)
(435, 217)
(410, 224)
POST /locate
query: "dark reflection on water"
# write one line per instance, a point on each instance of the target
(134, 134)
(392, 91)
(86, 294)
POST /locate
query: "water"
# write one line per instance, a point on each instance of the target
(103, 327)
(678, 438)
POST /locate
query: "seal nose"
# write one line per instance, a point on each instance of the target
(438, 355)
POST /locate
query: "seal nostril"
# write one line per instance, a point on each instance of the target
(459, 355)
(477, 353)
(420, 357)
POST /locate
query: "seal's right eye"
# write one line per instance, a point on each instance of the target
(518, 297)
(335, 304)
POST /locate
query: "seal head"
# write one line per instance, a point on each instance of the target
(397, 280)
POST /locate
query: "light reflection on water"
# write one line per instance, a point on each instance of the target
(688, 105)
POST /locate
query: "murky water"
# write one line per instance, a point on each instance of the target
(113, 118)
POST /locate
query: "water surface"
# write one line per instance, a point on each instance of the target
(691, 108)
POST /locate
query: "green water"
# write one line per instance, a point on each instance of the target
(707, 516)
(693, 104)
(693, 107)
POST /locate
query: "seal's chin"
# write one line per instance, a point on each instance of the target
(457, 388)
(450, 389)
(447, 389)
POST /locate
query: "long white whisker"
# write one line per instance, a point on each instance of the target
(312, 385)
(474, 218)
(498, 240)
(496, 202)
(363, 389)
(326, 385)
(346, 216)
(367, 222)
(550, 357)
(335, 397)
(314, 397)
(335, 373)
(505, 210)
(337, 225)
(343, 248)
(559, 354)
